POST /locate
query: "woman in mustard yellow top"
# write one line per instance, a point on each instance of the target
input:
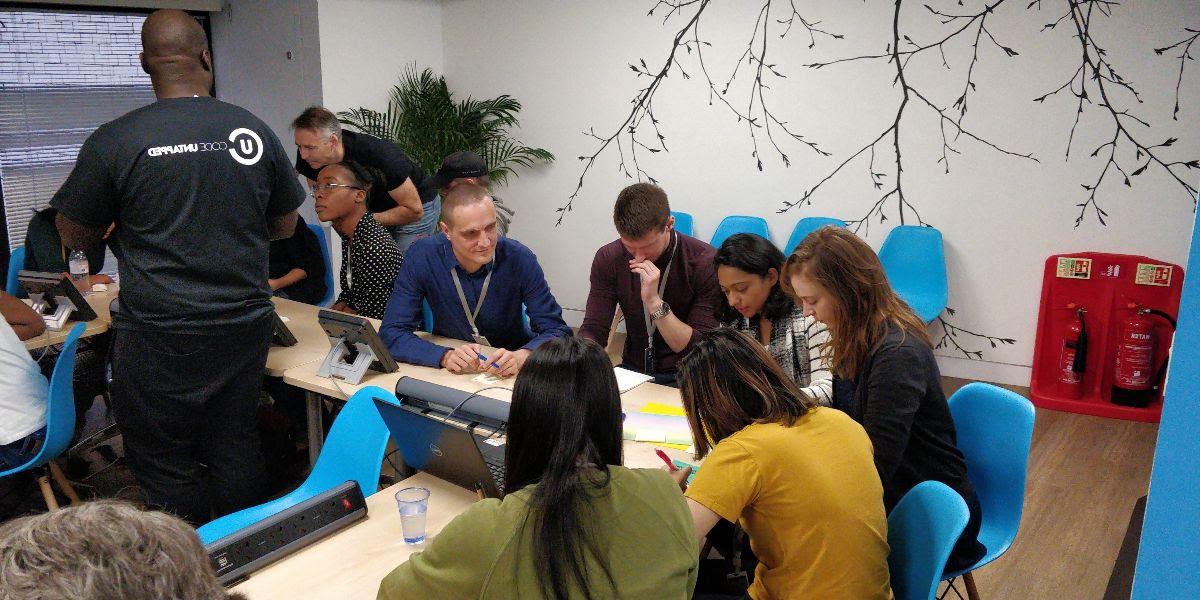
(799, 478)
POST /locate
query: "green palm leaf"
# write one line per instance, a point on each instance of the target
(424, 120)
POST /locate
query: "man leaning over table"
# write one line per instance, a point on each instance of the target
(663, 281)
(476, 282)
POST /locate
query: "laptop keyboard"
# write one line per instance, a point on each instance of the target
(497, 475)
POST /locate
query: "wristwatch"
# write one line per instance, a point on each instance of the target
(663, 310)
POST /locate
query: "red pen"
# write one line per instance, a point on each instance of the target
(666, 459)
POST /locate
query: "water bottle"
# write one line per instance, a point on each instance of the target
(79, 266)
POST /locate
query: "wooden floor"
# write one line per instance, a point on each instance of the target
(1085, 473)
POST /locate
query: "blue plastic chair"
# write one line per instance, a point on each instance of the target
(16, 262)
(426, 316)
(739, 224)
(60, 421)
(922, 530)
(352, 452)
(324, 242)
(683, 222)
(994, 428)
(806, 226)
(915, 263)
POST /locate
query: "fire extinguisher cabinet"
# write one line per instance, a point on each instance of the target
(1113, 290)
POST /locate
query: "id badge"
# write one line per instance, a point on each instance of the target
(481, 340)
(648, 360)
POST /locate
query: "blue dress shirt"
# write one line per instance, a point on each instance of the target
(517, 279)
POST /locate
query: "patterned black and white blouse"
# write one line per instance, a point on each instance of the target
(796, 342)
(370, 263)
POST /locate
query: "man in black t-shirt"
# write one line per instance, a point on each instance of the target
(196, 188)
(403, 204)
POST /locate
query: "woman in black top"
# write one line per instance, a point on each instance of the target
(883, 348)
(297, 267)
(370, 259)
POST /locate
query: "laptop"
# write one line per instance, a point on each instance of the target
(459, 446)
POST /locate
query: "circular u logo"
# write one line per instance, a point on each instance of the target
(247, 147)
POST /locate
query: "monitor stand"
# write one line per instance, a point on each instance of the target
(63, 308)
(348, 362)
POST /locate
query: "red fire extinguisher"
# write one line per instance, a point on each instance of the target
(1136, 378)
(1073, 360)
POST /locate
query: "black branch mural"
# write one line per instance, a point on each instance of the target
(1094, 85)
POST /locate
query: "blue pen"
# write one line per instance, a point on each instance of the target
(485, 359)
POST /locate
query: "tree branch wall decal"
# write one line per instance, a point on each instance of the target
(1095, 84)
(1096, 73)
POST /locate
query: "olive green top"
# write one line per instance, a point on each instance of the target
(641, 522)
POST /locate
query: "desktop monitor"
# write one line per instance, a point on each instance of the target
(282, 336)
(355, 347)
(56, 298)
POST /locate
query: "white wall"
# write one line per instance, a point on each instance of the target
(1000, 216)
(366, 44)
(266, 55)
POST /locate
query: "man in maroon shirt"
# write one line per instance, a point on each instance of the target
(664, 282)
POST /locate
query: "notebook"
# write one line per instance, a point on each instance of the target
(627, 380)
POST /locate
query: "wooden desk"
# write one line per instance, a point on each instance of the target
(352, 562)
(99, 302)
(305, 376)
(311, 342)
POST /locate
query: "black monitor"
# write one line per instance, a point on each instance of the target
(282, 335)
(354, 334)
(55, 297)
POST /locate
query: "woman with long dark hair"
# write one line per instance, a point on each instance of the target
(796, 476)
(576, 524)
(753, 302)
(882, 349)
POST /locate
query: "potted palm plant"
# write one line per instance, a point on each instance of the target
(424, 120)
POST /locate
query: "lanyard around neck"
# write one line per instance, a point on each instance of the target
(471, 315)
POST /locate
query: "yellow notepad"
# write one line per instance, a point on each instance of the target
(681, 447)
(658, 408)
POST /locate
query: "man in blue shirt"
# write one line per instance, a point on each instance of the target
(476, 283)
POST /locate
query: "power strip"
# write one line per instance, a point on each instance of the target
(235, 556)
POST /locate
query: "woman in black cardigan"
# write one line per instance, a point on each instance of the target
(882, 350)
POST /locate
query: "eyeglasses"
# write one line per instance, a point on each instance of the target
(326, 187)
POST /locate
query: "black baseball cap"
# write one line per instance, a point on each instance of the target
(457, 165)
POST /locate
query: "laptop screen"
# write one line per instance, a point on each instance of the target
(456, 448)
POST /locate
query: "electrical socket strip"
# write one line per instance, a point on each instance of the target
(235, 556)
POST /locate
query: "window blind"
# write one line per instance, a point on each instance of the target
(62, 74)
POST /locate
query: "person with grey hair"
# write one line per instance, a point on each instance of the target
(105, 550)
(402, 204)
